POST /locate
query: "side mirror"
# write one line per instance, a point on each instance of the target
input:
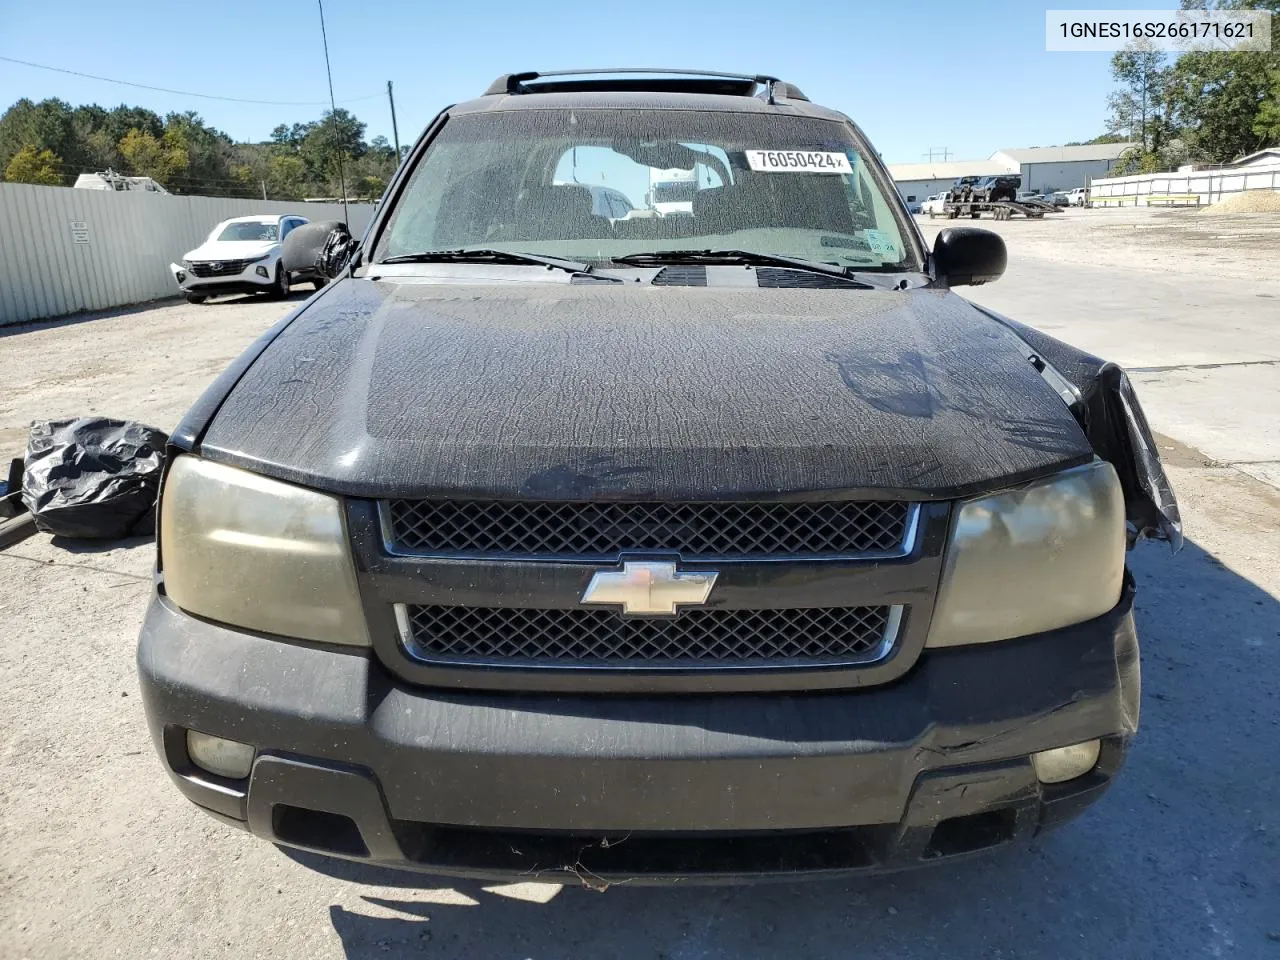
(964, 256)
(323, 248)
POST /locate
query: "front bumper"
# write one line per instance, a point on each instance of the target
(355, 763)
(247, 280)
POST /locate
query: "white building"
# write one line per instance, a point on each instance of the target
(1043, 169)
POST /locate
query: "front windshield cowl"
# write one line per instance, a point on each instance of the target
(594, 186)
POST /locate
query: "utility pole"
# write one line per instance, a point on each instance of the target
(264, 189)
(395, 133)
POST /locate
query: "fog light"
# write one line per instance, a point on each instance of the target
(182, 275)
(260, 271)
(224, 758)
(1066, 763)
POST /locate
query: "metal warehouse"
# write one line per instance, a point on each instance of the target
(1043, 169)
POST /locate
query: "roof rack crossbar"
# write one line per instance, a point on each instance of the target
(515, 83)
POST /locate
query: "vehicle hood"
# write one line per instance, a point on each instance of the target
(232, 249)
(566, 391)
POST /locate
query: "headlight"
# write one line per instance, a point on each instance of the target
(186, 264)
(1040, 557)
(258, 259)
(258, 553)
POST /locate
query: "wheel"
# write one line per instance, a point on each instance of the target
(932, 214)
(196, 298)
(974, 215)
(320, 282)
(280, 289)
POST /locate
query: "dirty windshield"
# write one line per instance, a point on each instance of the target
(541, 182)
(250, 230)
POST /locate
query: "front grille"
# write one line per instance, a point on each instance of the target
(511, 636)
(229, 268)
(601, 531)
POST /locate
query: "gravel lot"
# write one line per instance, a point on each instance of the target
(101, 857)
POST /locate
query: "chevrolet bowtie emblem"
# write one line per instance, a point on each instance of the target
(649, 587)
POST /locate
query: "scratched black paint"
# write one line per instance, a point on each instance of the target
(633, 391)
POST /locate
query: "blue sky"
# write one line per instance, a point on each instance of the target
(898, 69)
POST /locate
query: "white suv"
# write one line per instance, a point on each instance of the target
(1079, 197)
(241, 255)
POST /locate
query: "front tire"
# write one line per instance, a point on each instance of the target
(280, 289)
(196, 298)
(320, 282)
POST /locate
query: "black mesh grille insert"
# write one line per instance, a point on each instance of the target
(541, 528)
(225, 268)
(725, 638)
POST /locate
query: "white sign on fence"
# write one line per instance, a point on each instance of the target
(79, 231)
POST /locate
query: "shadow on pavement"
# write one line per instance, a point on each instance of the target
(1181, 858)
(31, 326)
(80, 546)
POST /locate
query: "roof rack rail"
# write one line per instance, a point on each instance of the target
(646, 79)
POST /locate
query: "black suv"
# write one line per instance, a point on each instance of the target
(994, 189)
(713, 545)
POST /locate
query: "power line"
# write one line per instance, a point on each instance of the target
(186, 93)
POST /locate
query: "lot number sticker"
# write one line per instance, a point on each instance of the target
(798, 161)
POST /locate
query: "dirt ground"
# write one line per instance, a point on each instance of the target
(101, 857)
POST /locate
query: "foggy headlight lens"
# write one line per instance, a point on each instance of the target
(1037, 558)
(257, 553)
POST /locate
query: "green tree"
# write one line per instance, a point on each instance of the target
(287, 177)
(210, 152)
(1138, 105)
(1222, 102)
(369, 188)
(1267, 123)
(330, 145)
(30, 165)
(1217, 99)
(45, 125)
(161, 159)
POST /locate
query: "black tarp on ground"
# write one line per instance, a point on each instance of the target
(93, 477)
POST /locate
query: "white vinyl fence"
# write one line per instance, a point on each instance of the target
(64, 251)
(1209, 185)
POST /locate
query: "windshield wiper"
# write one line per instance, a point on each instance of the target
(748, 257)
(488, 256)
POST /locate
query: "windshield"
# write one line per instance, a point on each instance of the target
(252, 230)
(529, 181)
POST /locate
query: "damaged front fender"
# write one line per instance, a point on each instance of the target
(1102, 399)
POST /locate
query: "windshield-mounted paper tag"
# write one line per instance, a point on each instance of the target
(881, 244)
(797, 161)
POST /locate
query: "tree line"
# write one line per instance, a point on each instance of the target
(1200, 107)
(52, 142)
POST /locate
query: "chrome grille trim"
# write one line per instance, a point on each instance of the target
(879, 650)
(903, 545)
